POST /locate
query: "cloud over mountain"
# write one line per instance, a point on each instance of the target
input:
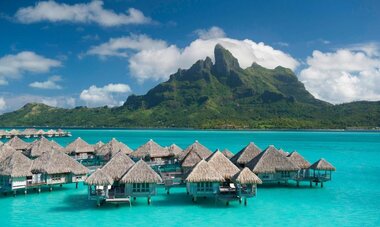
(107, 95)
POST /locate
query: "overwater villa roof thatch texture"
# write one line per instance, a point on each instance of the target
(113, 147)
(141, 173)
(14, 132)
(29, 131)
(197, 147)
(246, 154)
(54, 162)
(99, 177)
(57, 146)
(191, 159)
(16, 165)
(40, 146)
(271, 161)
(151, 149)
(246, 176)
(5, 151)
(299, 160)
(203, 172)
(118, 166)
(98, 145)
(222, 165)
(18, 143)
(51, 132)
(227, 153)
(40, 132)
(79, 146)
(175, 150)
(322, 164)
(285, 153)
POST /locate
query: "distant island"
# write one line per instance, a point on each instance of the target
(214, 96)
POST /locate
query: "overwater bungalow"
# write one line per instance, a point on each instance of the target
(51, 133)
(141, 181)
(246, 184)
(271, 166)
(3, 134)
(99, 184)
(18, 143)
(107, 151)
(29, 132)
(152, 153)
(203, 181)
(302, 163)
(200, 149)
(38, 147)
(55, 167)
(191, 159)
(320, 171)
(98, 145)
(175, 150)
(81, 151)
(5, 151)
(15, 172)
(245, 155)
(227, 153)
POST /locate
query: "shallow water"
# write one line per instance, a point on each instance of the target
(352, 198)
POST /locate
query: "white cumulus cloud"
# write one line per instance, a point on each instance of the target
(107, 95)
(3, 104)
(92, 12)
(212, 33)
(51, 83)
(345, 75)
(152, 59)
(13, 66)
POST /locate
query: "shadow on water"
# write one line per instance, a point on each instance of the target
(290, 186)
(33, 192)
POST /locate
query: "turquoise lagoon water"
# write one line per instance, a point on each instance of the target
(352, 198)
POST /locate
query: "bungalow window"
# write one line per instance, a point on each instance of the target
(285, 174)
(140, 187)
(55, 177)
(204, 186)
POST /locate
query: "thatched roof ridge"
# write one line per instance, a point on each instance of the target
(40, 146)
(118, 166)
(113, 147)
(203, 172)
(54, 162)
(246, 154)
(57, 146)
(29, 131)
(98, 145)
(299, 160)
(14, 132)
(191, 159)
(5, 151)
(271, 161)
(175, 150)
(40, 132)
(200, 149)
(79, 146)
(18, 143)
(151, 149)
(227, 153)
(246, 176)
(285, 153)
(322, 164)
(141, 173)
(99, 177)
(222, 165)
(16, 165)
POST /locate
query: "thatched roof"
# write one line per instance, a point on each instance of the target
(40, 146)
(191, 159)
(29, 131)
(203, 172)
(79, 146)
(54, 162)
(18, 143)
(5, 151)
(227, 153)
(197, 147)
(40, 132)
(299, 160)
(1, 143)
(98, 145)
(57, 146)
(99, 177)
(118, 166)
(141, 173)
(246, 176)
(246, 154)
(285, 153)
(151, 149)
(175, 150)
(3, 132)
(113, 147)
(14, 132)
(222, 165)
(322, 164)
(271, 161)
(16, 165)
(51, 132)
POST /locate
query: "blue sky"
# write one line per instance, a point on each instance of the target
(97, 53)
